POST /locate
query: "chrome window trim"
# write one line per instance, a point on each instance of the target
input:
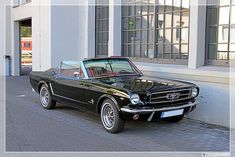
(84, 70)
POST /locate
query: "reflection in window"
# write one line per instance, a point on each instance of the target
(159, 29)
(220, 31)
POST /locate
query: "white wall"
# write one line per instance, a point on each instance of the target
(2, 37)
(72, 30)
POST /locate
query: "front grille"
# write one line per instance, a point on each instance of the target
(170, 96)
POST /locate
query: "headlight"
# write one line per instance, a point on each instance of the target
(194, 92)
(135, 99)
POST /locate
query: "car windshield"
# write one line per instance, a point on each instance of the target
(110, 67)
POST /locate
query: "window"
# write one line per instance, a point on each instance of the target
(220, 30)
(155, 29)
(102, 27)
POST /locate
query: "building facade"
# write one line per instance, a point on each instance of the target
(181, 39)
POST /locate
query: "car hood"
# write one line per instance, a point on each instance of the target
(141, 84)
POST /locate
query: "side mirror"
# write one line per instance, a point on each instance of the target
(76, 74)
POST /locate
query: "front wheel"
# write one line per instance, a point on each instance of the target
(110, 117)
(45, 98)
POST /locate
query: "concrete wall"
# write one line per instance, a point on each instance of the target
(72, 30)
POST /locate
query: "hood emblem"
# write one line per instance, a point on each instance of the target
(172, 96)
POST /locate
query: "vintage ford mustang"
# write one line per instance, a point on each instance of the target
(115, 89)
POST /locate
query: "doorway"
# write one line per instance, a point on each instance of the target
(25, 47)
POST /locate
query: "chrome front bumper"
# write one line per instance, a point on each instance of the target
(129, 110)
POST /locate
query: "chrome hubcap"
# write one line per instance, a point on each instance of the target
(44, 97)
(107, 115)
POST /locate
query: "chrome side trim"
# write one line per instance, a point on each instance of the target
(52, 91)
(128, 110)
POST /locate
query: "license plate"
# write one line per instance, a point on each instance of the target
(172, 113)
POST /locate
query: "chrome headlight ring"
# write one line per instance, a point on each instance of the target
(194, 93)
(135, 99)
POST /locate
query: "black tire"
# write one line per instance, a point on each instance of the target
(174, 119)
(45, 98)
(110, 117)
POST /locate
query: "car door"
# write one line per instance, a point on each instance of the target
(69, 89)
(67, 84)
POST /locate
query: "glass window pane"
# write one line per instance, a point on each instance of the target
(212, 34)
(124, 10)
(151, 36)
(233, 15)
(144, 9)
(138, 9)
(224, 15)
(160, 6)
(144, 37)
(185, 19)
(232, 33)
(222, 51)
(159, 36)
(176, 35)
(176, 5)
(176, 19)
(168, 48)
(175, 51)
(137, 36)
(184, 51)
(168, 36)
(185, 5)
(184, 35)
(168, 18)
(144, 51)
(159, 51)
(150, 51)
(125, 37)
(224, 2)
(137, 51)
(232, 47)
(151, 22)
(223, 34)
(144, 22)
(212, 16)
(125, 23)
(212, 50)
(232, 52)
(138, 23)
(160, 18)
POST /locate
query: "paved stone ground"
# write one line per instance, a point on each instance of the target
(31, 128)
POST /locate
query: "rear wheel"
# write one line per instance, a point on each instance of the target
(174, 119)
(110, 117)
(45, 98)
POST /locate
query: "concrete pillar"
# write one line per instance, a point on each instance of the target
(197, 34)
(115, 28)
(16, 48)
(90, 30)
(2, 37)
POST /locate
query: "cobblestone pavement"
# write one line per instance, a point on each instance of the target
(31, 128)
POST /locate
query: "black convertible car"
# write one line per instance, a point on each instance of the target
(116, 89)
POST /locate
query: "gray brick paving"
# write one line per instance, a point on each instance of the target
(31, 128)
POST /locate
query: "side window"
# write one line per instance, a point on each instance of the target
(70, 70)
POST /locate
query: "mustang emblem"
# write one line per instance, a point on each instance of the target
(91, 101)
(173, 96)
